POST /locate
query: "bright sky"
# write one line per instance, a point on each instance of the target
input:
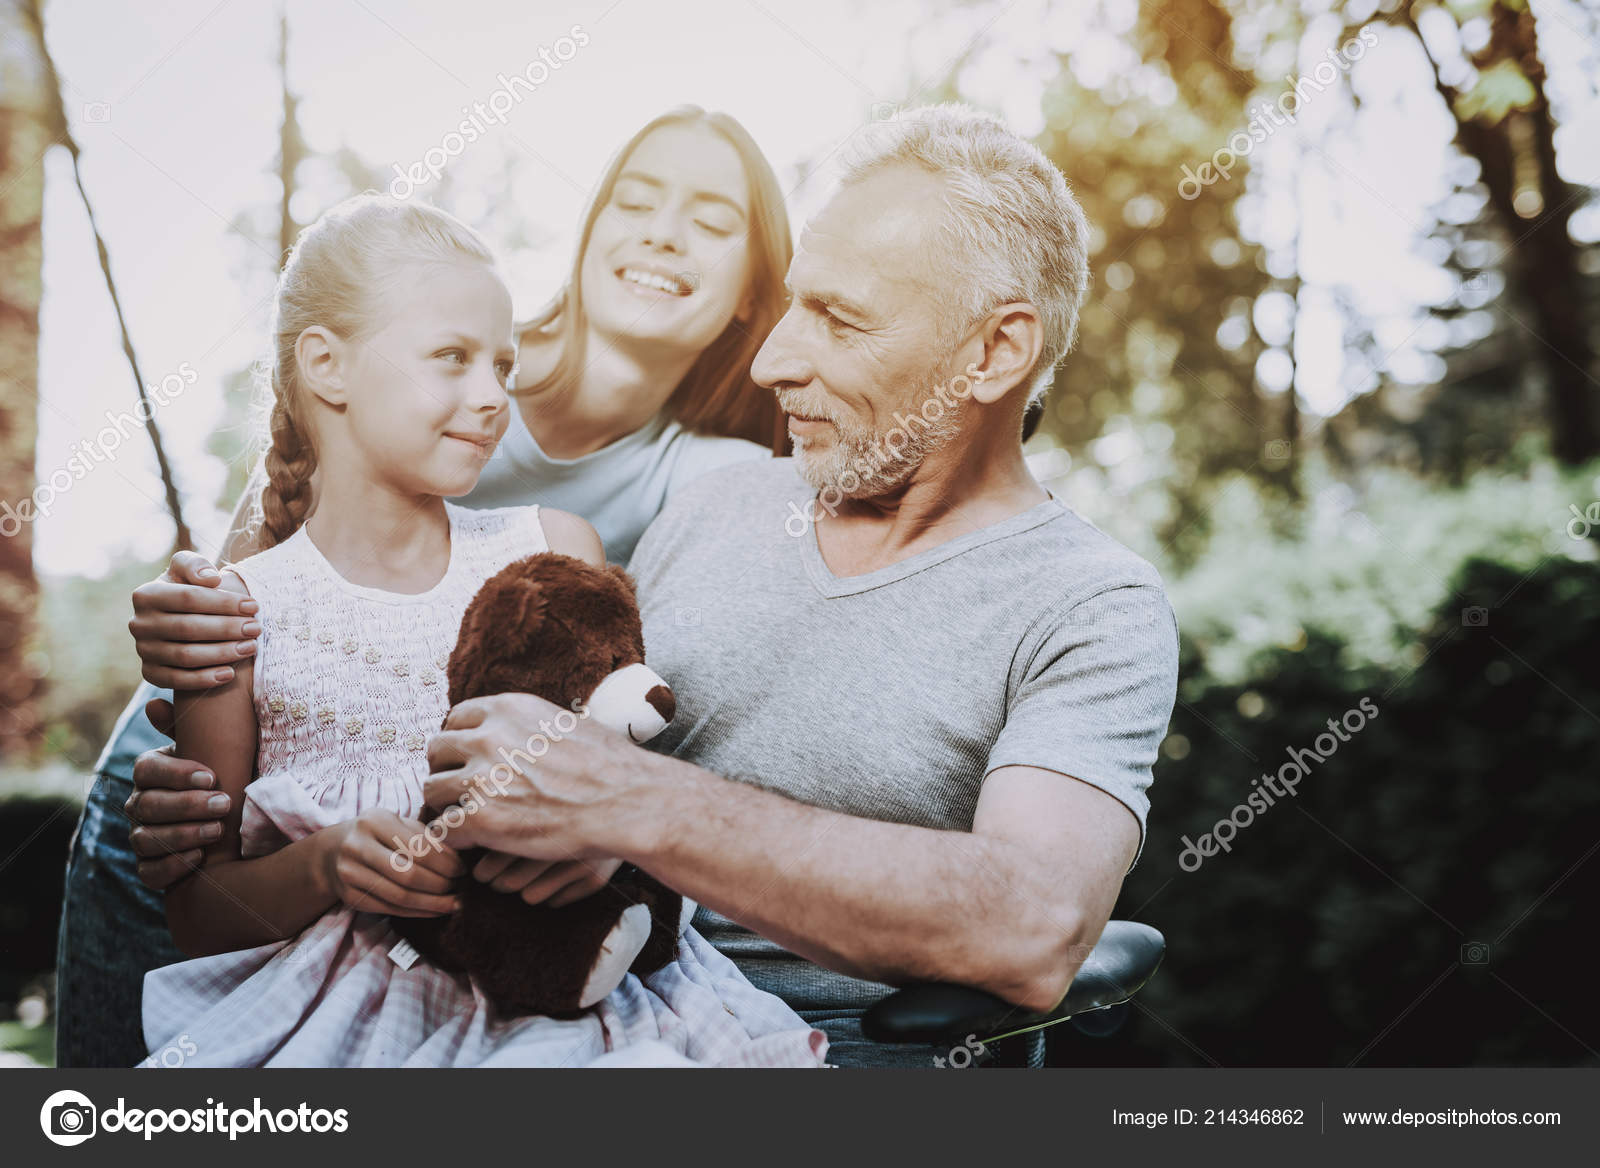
(185, 141)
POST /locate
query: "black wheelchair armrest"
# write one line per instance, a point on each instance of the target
(936, 1012)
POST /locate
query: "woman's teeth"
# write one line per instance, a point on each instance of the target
(673, 286)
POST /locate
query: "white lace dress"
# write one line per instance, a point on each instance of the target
(349, 685)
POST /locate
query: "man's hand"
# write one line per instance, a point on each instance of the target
(537, 781)
(175, 810)
(187, 630)
(554, 882)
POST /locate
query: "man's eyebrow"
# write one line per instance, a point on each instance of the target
(704, 196)
(829, 299)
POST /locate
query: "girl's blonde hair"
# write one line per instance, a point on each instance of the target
(336, 276)
(716, 396)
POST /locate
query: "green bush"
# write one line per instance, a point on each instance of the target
(1419, 900)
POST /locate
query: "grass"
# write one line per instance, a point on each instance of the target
(35, 1042)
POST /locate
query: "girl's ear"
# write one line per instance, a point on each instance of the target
(318, 353)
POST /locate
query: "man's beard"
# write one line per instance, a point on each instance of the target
(863, 463)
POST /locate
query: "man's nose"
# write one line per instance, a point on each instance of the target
(781, 359)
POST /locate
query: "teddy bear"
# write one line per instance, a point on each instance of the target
(569, 632)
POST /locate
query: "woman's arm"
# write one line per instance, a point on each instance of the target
(233, 903)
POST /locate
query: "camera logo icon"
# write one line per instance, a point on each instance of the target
(1474, 953)
(68, 1118)
(1474, 618)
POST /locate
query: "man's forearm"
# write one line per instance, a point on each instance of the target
(883, 901)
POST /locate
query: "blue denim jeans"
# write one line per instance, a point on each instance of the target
(113, 928)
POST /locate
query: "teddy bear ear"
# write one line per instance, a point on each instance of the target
(511, 609)
(625, 579)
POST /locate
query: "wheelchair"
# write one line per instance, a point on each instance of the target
(938, 1013)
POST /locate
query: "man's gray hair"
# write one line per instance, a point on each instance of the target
(1015, 231)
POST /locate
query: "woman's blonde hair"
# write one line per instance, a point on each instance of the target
(336, 276)
(716, 396)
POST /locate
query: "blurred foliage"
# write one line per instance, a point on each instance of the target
(1367, 566)
(88, 659)
(1157, 361)
(1419, 901)
(34, 832)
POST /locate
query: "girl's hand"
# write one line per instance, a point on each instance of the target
(373, 865)
(556, 882)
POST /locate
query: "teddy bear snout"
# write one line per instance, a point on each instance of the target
(635, 701)
(665, 704)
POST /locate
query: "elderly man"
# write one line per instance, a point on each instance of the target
(918, 698)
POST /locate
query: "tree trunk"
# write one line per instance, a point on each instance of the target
(1542, 261)
(24, 138)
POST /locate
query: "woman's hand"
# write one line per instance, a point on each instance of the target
(554, 882)
(187, 630)
(381, 863)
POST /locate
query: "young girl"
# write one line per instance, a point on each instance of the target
(393, 351)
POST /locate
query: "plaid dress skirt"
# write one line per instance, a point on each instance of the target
(334, 997)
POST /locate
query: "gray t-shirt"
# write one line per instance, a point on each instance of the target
(1037, 641)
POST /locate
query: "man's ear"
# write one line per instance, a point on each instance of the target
(320, 356)
(513, 610)
(1013, 338)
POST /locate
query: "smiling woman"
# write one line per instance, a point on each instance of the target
(680, 258)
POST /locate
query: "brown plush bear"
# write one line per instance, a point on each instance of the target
(569, 632)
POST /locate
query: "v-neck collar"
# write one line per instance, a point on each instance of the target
(831, 586)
